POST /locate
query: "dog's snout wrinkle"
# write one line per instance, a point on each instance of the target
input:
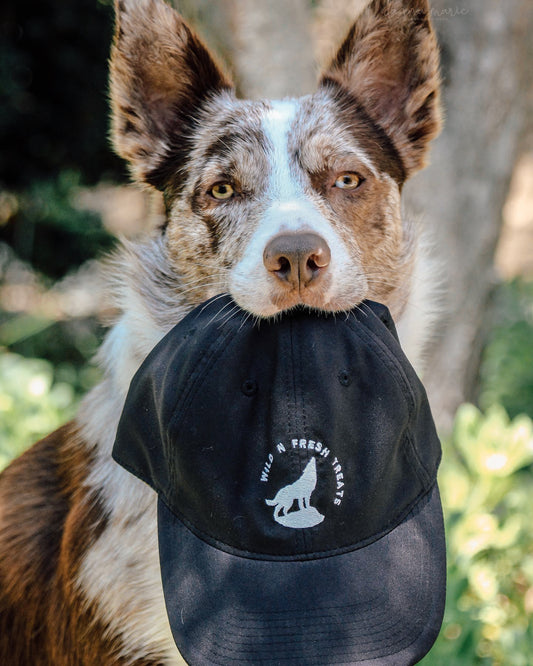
(298, 259)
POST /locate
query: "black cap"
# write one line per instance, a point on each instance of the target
(295, 460)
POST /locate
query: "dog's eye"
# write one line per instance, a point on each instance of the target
(221, 191)
(348, 181)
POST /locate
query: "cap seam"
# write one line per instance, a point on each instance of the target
(382, 350)
(306, 539)
(402, 379)
(295, 463)
(419, 468)
(129, 468)
(420, 465)
(210, 357)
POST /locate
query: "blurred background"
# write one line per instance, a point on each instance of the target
(65, 198)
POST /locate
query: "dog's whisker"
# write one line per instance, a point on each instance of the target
(220, 312)
(248, 316)
(230, 315)
(217, 298)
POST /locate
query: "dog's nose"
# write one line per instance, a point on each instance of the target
(297, 258)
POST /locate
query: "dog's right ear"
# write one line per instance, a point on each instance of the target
(160, 76)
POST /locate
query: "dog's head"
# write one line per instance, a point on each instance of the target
(289, 202)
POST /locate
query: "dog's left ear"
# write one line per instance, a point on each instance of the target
(389, 65)
(160, 77)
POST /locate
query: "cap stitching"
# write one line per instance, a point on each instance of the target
(395, 638)
(420, 469)
(312, 614)
(371, 631)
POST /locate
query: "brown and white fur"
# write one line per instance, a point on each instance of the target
(314, 220)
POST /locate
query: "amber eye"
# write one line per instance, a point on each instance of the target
(348, 181)
(222, 191)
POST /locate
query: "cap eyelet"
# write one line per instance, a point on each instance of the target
(345, 378)
(249, 387)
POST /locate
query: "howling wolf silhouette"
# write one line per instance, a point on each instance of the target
(300, 491)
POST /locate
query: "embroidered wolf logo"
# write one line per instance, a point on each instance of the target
(300, 491)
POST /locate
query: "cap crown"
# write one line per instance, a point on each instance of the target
(298, 438)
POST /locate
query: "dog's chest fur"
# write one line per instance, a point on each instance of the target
(281, 204)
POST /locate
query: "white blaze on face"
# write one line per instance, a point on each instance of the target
(276, 124)
(289, 209)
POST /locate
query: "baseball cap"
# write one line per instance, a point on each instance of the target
(295, 462)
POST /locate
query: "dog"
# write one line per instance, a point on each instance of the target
(281, 204)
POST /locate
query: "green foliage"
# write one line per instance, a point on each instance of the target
(34, 400)
(507, 367)
(50, 232)
(486, 481)
(54, 128)
(66, 343)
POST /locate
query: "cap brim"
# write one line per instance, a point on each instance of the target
(381, 604)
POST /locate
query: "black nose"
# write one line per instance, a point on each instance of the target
(297, 258)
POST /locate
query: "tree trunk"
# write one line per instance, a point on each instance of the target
(267, 44)
(273, 50)
(486, 63)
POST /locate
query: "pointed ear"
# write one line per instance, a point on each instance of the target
(160, 76)
(389, 64)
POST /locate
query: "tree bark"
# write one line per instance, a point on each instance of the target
(273, 49)
(486, 58)
(268, 45)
